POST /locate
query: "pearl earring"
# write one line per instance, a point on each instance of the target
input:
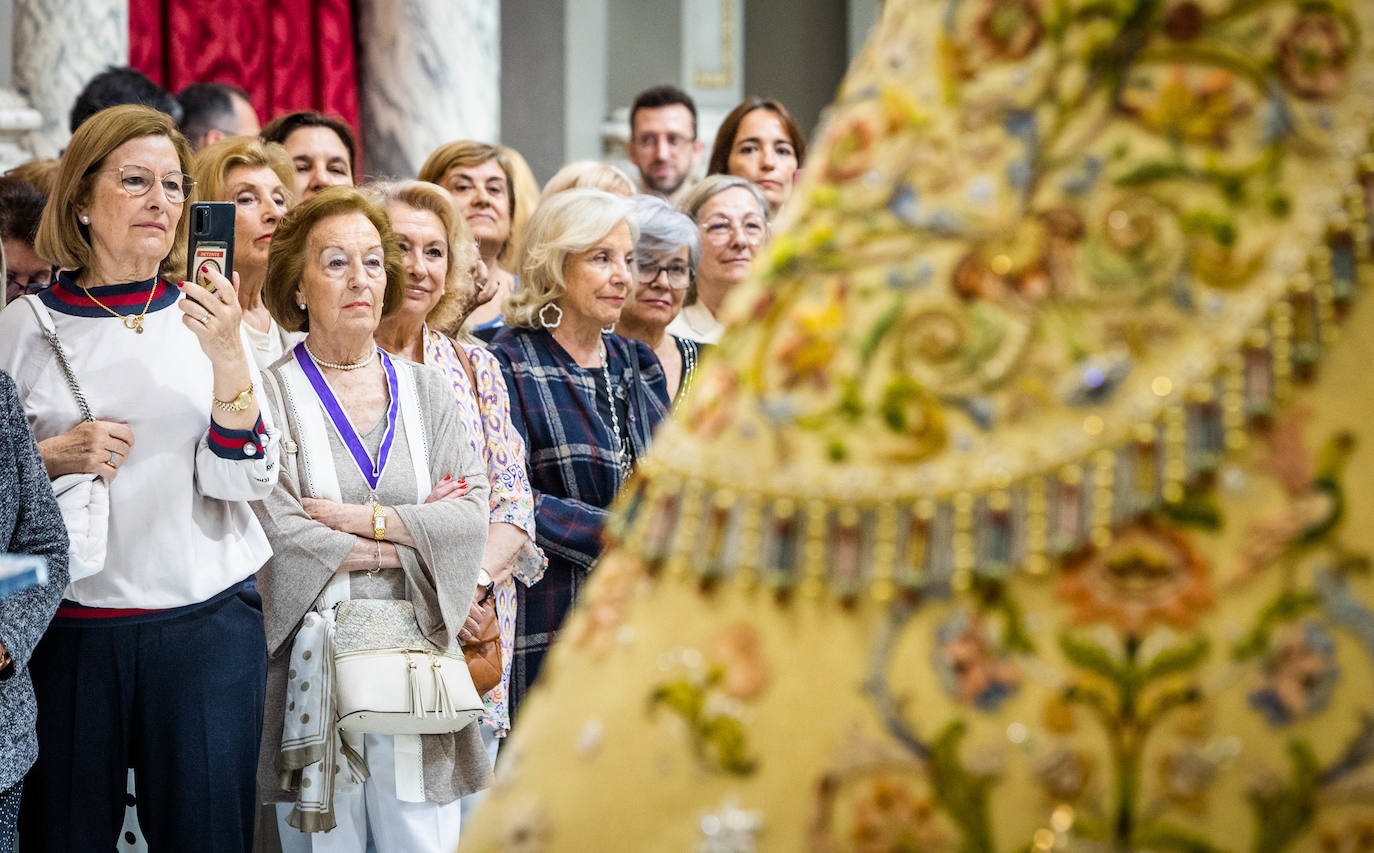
(85, 220)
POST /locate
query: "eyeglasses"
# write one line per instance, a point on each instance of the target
(674, 140)
(720, 230)
(137, 180)
(677, 275)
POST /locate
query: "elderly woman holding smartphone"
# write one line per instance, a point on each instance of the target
(157, 661)
(381, 496)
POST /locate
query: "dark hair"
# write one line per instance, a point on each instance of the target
(663, 96)
(729, 129)
(206, 107)
(21, 208)
(121, 85)
(279, 128)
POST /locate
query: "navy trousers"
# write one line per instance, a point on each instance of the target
(177, 695)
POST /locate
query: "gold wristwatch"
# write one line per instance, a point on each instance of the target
(239, 403)
(378, 522)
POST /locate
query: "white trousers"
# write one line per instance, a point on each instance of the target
(373, 813)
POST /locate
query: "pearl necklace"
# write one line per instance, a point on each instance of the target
(332, 366)
(622, 453)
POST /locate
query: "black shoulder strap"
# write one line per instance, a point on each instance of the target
(637, 389)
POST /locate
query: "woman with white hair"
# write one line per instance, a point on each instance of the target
(666, 256)
(584, 399)
(732, 216)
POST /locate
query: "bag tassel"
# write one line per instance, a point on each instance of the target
(443, 705)
(417, 705)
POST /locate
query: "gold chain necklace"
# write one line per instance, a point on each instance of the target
(131, 321)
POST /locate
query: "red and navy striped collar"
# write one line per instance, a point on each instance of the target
(66, 296)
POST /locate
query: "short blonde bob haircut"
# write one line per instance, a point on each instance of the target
(214, 162)
(422, 195)
(568, 223)
(522, 191)
(590, 175)
(286, 259)
(62, 238)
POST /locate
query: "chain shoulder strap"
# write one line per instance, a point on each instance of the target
(40, 312)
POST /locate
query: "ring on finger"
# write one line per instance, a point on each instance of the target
(204, 319)
(114, 459)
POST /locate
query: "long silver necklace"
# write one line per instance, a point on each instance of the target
(622, 454)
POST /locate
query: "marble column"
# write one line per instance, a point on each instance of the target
(17, 120)
(58, 46)
(429, 72)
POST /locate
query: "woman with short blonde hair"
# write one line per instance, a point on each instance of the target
(258, 178)
(589, 175)
(495, 192)
(448, 311)
(585, 399)
(566, 224)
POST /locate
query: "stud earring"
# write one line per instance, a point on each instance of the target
(85, 220)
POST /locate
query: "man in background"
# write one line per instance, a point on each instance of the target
(212, 111)
(663, 141)
(120, 85)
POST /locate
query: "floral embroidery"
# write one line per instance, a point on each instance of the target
(1010, 29)
(746, 669)
(1184, 777)
(1314, 55)
(1148, 575)
(1299, 674)
(1065, 774)
(708, 697)
(889, 816)
(972, 668)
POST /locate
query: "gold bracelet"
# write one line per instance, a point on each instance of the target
(372, 573)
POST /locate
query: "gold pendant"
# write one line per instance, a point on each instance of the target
(133, 322)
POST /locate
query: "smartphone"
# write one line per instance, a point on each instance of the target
(211, 244)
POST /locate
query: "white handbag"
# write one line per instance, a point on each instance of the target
(84, 499)
(389, 679)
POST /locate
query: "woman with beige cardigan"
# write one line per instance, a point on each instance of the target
(380, 497)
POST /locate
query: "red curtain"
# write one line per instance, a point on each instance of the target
(287, 54)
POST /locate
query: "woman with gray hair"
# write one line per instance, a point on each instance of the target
(666, 257)
(732, 216)
(584, 399)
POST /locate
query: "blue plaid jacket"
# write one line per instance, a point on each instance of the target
(572, 467)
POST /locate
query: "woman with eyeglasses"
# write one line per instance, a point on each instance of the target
(157, 656)
(732, 217)
(666, 256)
(21, 206)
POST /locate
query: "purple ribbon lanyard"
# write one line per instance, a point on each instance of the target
(371, 471)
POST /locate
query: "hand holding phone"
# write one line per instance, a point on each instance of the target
(211, 245)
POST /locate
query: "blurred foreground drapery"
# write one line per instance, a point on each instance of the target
(287, 54)
(1023, 505)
